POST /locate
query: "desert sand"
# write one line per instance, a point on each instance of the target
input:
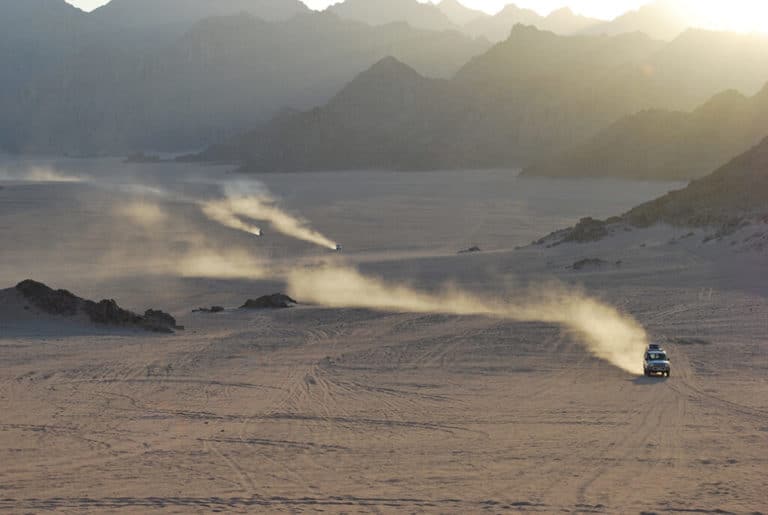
(351, 410)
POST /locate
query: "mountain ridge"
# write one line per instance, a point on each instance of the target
(667, 145)
(534, 95)
(659, 19)
(381, 12)
(197, 88)
(149, 13)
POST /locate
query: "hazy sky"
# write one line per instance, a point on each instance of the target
(739, 15)
(598, 8)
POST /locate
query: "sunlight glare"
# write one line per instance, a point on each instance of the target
(732, 15)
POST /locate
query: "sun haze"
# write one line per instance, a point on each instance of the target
(596, 8)
(401, 256)
(734, 15)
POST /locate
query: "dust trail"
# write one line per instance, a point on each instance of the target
(253, 201)
(607, 333)
(229, 264)
(142, 213)
(38, 174)
(225, 213)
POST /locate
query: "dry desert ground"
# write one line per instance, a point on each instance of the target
(354, 410)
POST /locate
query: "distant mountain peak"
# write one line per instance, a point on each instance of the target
(563, 11)
(459, 13)
(29, 11)
(662, 19)
(387, 78)
(514, 10)
(723, 104)
(526, 31)
(169, 12)
(763, 93)
(382, 12)
(728, 96)
(452, 4)
(389, 67)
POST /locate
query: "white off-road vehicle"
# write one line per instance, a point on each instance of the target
(656, 361)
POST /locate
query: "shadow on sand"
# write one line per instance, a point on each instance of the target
(647, 381)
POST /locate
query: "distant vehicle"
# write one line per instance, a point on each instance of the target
(339, 248)
(656, 361)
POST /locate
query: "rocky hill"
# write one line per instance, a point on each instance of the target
(736, 191)
(733, 197)
(35, 299)
(667, 145)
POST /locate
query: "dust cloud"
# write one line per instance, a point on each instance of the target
(142, 213)
(230, 264)
(37, 174)
(607, 333)
(253, 202)
(226, 213)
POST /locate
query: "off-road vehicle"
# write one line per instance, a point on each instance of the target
(656, 361)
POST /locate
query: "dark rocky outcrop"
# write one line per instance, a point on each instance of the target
(106, 312)
(587, 230)
(159, 319)
(54, 302)
(470, 250)
(589, 264)
(274, 301)
(212, 309)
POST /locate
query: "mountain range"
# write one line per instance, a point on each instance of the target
(452, 15)
(661, 19)
(139, 75)
(80, 87)
(458, 13)
(184, 13)
(531, 96)
(731, 199)
(407, 126)
(735, 191)
(497, 28)
(381, 12)
(669, 145)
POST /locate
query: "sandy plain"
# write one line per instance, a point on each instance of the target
(362, 411)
